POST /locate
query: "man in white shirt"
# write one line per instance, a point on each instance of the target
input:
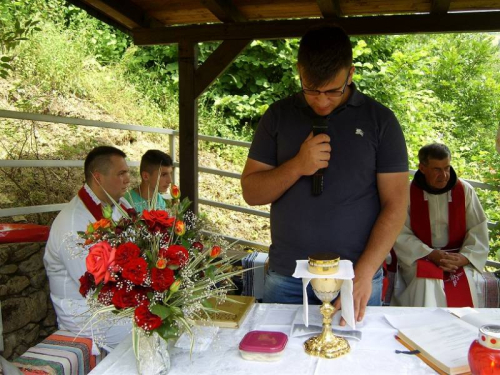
(106, 172)
(444, 243)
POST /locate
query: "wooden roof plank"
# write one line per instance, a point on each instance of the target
(224, 10)
(403, 24)
(440, 6)
(329, 8)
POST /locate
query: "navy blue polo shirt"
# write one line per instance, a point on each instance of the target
(366, 139)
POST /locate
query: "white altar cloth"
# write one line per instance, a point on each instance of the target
(374, 354)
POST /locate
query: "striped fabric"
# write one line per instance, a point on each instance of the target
(253, 280)
(59, 354)
(491, 288)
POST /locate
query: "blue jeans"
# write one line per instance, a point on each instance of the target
(287, 289)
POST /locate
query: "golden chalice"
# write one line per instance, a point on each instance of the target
(326, 345)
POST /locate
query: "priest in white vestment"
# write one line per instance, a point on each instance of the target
(444, 243)
(105, 171)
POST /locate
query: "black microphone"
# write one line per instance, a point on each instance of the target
(320, 126)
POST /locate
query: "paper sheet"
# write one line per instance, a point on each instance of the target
(345, 272)
(421, 319)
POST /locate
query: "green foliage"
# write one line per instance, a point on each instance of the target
(441, 87)
(261, 75)
(15, 26)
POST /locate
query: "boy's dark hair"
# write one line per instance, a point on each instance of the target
(436, 151)
(153, 159)
(324, 51)
(99, 159)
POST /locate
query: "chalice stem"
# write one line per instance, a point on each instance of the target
(327, 345)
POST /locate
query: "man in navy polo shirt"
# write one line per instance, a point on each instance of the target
(359, 207)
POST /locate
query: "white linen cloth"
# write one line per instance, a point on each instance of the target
(413, 291)
(373, 355)
(65, 267)
(345, 272)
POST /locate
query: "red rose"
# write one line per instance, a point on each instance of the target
(101, 257)
(123, 298)
(175, 192)
(157, 220)
(215, 252)
(161, 279)
(126, 252)
(176, 255)
(180, 228)
(145, 319)
(106, 294)
(135, 270)
(86, 283)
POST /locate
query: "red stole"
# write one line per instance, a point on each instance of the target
(94, 208)
(456, 286)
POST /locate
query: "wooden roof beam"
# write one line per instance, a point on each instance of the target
(439, 7)
(330, 9)
(125, 12)
(224, 10)
(377, 25)
(100, 16)
(217, 63)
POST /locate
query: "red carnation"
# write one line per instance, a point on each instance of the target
(197, 245)
(126, 252)
(161, 279)
(145, 319)
(157, 220)
(176, 255)
(123, 298)
(86, 283)
(132, 213)
(135, 270)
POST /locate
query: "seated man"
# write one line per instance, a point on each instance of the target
(156, 168)
(445, 239)
(106, 172)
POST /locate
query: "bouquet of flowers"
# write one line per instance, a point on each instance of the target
(155, 269)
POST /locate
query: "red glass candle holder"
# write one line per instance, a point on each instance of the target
(484, 353)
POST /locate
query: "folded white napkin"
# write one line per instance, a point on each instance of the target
(345, 272)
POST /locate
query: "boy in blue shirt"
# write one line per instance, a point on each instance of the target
(156, 168)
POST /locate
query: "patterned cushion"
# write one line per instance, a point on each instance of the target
(59, 354)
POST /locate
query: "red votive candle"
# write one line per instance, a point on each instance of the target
(484, 352)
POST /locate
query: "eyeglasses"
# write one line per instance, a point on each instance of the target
(328, 93)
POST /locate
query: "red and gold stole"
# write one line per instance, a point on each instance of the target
(94, 208)
(456, 286)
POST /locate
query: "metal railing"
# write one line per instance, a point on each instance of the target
(171, 134)
(7, 212)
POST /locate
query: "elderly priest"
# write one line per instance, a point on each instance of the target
(106, 172)
(444, 243)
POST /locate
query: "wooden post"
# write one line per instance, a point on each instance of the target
(188, 122)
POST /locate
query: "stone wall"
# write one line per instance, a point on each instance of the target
(27, 312)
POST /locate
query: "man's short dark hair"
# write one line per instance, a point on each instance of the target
(323, 53)
(99, 160)
(436, 151)
(153, 159)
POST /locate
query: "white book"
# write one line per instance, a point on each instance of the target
(443, 339)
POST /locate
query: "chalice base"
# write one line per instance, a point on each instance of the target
(317, 346)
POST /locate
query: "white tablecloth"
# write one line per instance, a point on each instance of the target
(374, 354)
